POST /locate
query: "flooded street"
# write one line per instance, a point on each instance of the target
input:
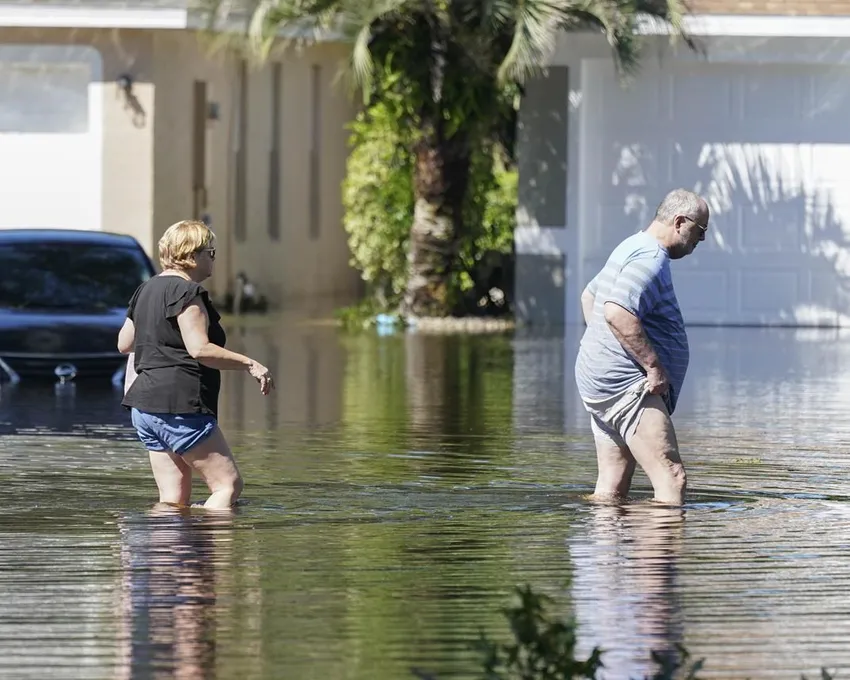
(398, 488)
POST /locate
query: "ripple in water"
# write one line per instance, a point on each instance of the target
(399, 488)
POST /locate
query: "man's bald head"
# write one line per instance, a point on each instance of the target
(681, 202)
(681, 221)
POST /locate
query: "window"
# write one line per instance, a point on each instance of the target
(44, 97)
(241, 166)
(62, 275)
(274, 155)
(315, 152)
(199, 149)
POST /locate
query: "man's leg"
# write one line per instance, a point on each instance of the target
(656, 450)
(616, 465)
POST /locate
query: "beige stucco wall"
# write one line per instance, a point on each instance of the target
(295, 266)
(147, 160)
(127, 144)
(178, 62)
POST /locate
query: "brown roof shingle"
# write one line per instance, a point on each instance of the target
(106, 4)
(759, 7)
(777, 7)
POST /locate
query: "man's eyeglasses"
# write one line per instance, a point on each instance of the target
(211, 251)
(703, 227)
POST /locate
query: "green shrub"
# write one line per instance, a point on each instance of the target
(378, 203)
(544, 648)
(377, 197)
(489, 220)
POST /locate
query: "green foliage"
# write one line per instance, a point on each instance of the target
(360, 315)
(824, 675)
(378, 201)
(668, 666)
(543, 647)
(489, 215)
(377, 196)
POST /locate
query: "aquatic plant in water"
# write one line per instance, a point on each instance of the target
(543, 648)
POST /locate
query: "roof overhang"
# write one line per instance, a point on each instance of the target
(758, 26)
(77, 16)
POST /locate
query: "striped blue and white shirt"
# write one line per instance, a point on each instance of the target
(636, 277)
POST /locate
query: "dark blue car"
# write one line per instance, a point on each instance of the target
(63, 298)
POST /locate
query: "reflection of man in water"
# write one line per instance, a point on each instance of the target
(168, 594)
(634, 354)
(624, 586)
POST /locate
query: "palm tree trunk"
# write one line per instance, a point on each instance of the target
(440, 179)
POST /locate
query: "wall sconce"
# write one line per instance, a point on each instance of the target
(125, 86)
(125, 82)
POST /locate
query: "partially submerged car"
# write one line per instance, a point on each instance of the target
(63, 299)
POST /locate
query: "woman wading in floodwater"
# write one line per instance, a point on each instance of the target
(174, 331)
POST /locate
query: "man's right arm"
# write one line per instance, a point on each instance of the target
(588, 299)
(629, 332)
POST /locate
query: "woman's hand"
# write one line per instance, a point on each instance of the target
(262, 375)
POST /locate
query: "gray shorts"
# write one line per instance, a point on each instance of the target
(616, 418)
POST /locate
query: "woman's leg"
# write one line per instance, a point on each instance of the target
(214, 461)
(173, 477)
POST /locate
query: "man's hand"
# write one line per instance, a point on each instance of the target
(657, 381)
(628, 330)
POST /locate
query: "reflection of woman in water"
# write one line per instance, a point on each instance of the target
(624, 585)
(168, 594)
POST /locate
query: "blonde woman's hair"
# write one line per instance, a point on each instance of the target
(181, 241)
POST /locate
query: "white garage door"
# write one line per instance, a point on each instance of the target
(50, 136)
(768, 147)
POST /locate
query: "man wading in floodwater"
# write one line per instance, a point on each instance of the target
(634, 352)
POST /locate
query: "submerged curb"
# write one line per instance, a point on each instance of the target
(459, 325)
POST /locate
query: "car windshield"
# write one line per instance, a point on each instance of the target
(81, 276)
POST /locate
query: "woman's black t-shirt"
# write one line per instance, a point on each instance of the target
(169, 379)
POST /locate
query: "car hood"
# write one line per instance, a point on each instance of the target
(49, 332)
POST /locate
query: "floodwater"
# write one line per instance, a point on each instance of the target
(400, 487)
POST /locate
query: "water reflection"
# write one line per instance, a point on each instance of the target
(399, 487)
(308, 361)
(168, 592)
(84, 409)
(625, 586)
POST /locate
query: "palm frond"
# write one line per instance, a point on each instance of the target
(622, 23)
(257, 27)
(357, 20)
(536, 25)
(670, 13)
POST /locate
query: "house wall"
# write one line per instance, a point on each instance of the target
(285, 227)
(551, 290)
(177, 62)
(285, 231)
(126, 139)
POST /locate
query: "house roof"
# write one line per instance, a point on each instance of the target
(768, 18)
(101, 4)
(175, 14)
(732, 7)
(772, 7)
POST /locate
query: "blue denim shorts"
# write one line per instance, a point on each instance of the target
(172, 432)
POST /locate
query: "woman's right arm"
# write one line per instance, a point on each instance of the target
(194, 323)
